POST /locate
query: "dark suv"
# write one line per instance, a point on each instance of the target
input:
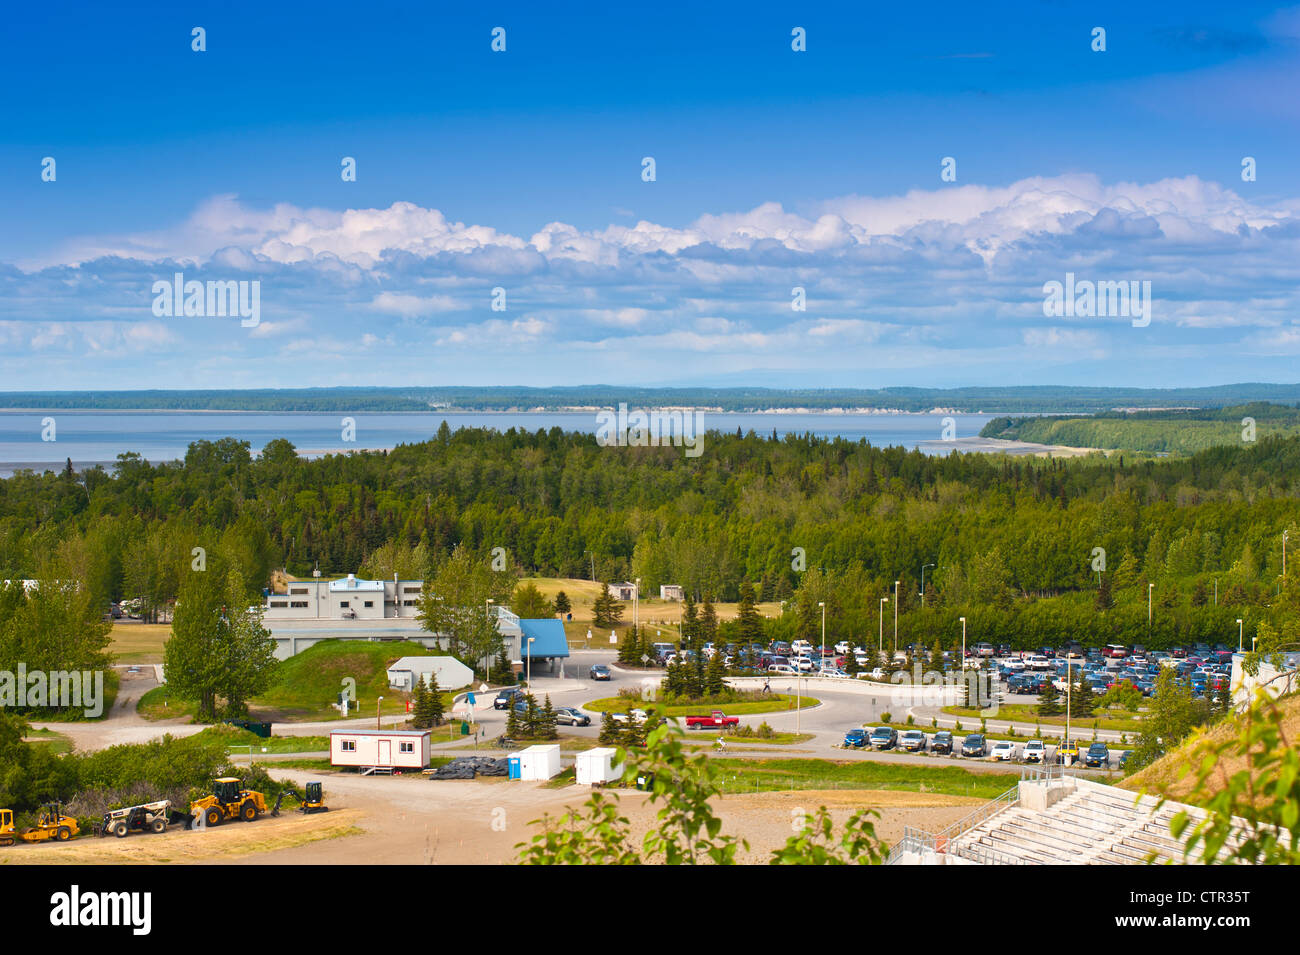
(506, 697)
(942, 742)
(974, 745)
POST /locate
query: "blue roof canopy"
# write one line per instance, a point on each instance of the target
(548, 639)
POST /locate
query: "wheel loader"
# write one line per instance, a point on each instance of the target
(228, 801)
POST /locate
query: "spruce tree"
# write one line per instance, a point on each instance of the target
(434, 700)
(546, 722)
(690, 622)
(1049, 701)
(420, 718)
(532, 717)
(749, 620)
(608, 729)
(708, 627)
(512, 723)
(713, 676)
(562, 605)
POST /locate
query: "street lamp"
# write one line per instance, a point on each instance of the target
(1150, 588)
(881, 646)
(636, 599)
(487, 614)
(1285, 535)
(528, 663)
(1241, 639)
(963, 642)
(896, 583)
(923, 582)
(377, 702)
(822, 604)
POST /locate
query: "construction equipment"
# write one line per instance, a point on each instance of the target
(147, 817)
(313, 801)
(228, 801)
(51, 824)
(6, 827)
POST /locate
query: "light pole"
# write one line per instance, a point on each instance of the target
(1069, 687)
(377, 702)
(1150, 589)
(880, 648)
(1241, 638)
(822, 604)
(1285, 535)
(636, 603)
(963, 643)
(487, 615)
(923, 566)
(528, 663)
(896, 583)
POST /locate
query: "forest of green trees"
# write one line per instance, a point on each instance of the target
(1015, 542)
(1182, 431)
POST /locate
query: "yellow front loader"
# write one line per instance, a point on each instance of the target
(228, 801)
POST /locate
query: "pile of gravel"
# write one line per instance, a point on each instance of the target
(467, 767)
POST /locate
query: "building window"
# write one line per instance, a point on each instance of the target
(370, 603)
(410, 590)
(407, 747)
(349, 746)
(343, 603)
(298, 603)
(297, 590)
(279, 603)
(410, 603)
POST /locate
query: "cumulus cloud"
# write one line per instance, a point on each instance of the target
(952, 274)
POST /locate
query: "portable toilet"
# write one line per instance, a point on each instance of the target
(513, 767)
(540, 762)
(596, 766)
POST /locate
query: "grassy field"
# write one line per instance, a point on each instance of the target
(654, 614)
(309, 682)
(54, 742)
(767, 775)
(139, 642)
(777, 704)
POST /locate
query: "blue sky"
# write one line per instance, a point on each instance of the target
(774, 169)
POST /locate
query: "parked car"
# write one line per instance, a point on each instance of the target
(974, 745)
(1004, 750)
(568, 716)
(1067, 753)
(942, 742)
(856, 739)
(782, 668)
(913, 741)
(1034, 751)
(884, 737)
(833, 673)
(842, 647)
(1098, 756)
(599, 672)
(507, 697)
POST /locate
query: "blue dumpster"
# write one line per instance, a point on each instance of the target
(513, 764)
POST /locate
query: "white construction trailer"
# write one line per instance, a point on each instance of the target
(379, 751)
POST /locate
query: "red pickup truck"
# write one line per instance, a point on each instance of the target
(716, 720)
